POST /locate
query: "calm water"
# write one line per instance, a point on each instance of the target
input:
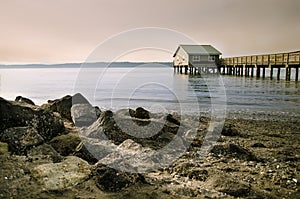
(156, 88)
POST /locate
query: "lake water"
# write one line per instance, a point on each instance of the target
(155, 88)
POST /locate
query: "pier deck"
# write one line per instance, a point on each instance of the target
(256, 65)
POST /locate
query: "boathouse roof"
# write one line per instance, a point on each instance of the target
(198, 49)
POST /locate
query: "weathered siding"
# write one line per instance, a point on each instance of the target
(181, 58)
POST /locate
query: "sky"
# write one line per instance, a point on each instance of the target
(60, 31)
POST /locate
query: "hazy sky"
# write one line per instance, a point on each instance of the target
(57, 31)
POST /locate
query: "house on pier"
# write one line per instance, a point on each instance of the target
(196, 58)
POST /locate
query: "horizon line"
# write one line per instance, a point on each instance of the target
(65, 63)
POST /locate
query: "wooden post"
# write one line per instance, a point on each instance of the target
(252, 70)
(257, 71)
(278, 73)
(288, 73)
(264, 72)
(271, 72)
(297, 73)
(242, 70)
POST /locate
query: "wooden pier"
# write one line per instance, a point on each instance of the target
(256, 65)
(197, 69)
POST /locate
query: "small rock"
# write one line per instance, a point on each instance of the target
(229, 130)
(228, 185)
(111, 180)
(24, 100)
(140, 113)
(233, 151)
(172, 119)
(3, 148)
(198, 174)
(258, 145)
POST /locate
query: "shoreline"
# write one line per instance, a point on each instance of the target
(63, 152)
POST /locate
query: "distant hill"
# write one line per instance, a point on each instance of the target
(92, 65)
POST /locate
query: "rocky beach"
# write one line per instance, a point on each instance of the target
(67, 148)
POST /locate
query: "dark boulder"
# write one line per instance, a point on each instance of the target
(21, 139)
(111, 180)
(106, 120)
(14, 114)
(24, 100)
(229, 130)
(140, 113)
(63, 105)
(173, 119)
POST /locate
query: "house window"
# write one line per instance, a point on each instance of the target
(211, 58)
(196, 58)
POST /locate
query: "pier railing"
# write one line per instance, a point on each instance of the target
(245, 65)
(292, 58)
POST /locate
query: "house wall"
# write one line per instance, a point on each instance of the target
(203, 59)
(181, 58)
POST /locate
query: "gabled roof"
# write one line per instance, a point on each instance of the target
(199, 49)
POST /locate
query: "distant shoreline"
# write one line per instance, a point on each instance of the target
(88, 65)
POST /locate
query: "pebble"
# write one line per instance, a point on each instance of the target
(277, 167)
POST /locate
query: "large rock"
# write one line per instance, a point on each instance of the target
(120, 127)
(93, 150)
(59, 176)
(21, 139)
(65, 144)
(14, 114)
(84, 114)
(44, 151)
(63, 105)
